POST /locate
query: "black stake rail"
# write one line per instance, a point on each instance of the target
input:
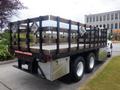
(78, 32)
(69, 36)
(106, 36)
(90, 37)
(94, 36)
(58, 30)
(18, 30)
(98, 38)
(84, 37)
(40, 37)
(27, 36)
(101, 37)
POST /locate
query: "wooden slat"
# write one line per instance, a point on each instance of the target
(64, 20)
(61, 19)
(37, 18)
(61, 29)
(33, 19)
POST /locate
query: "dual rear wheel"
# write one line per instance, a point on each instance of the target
(80, 65)
(90, 62)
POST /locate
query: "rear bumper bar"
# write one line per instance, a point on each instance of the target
(24, 53)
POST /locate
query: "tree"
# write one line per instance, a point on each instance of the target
(8, 8)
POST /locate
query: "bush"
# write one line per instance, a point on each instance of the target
(4, 47)
(4, 53)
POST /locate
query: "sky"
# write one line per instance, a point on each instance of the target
(69, 9)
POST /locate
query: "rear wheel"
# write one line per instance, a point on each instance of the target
(77, 69)
(90, 62)
(109, 54)
(19, 63)
(110, 51)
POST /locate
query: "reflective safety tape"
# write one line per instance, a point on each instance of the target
(26, 53)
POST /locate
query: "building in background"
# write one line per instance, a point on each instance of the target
(110, 19)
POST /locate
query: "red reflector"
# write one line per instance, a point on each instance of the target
(18, 51)
(26, 53)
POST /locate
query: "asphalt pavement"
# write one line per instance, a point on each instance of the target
(13, 79)
(116, 49)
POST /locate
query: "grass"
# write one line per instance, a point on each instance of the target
(108, 79)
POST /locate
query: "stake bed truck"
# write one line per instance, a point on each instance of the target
(53, 47)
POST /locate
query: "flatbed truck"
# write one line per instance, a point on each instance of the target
(53, 47)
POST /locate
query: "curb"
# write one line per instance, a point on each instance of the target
(7, 62)
(95, 74)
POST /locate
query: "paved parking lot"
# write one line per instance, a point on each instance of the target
(14, 79)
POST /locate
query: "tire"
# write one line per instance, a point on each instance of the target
(109, 54)
(19, 64)
(33, 67)
(77, 67)
(90, 62)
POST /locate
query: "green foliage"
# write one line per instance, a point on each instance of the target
(23, 36)
(33, 39)
(5, 38)
(4, 53)
(4, 47)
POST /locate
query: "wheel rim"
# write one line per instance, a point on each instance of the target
(92, 62)
(80, 69)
